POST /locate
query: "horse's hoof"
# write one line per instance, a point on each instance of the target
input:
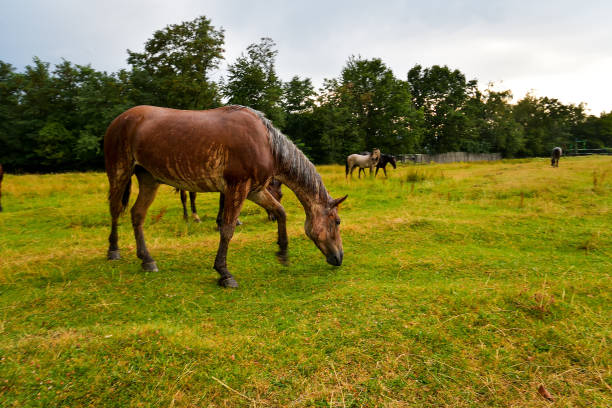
(283, 258)
(238, 222)
(150, 266)
(113, 255)
(196, 218)
(228, 282)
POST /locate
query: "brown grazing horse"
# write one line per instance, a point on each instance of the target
(233, 150)
(274, 188)
(1, 176)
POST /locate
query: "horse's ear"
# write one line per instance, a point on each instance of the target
(337, 201)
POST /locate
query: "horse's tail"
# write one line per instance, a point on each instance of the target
(119, 164)
(346, 167)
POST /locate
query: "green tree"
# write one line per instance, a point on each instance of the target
(252, 81)
(368, 107)
(500, 132)
(448, 101)
(174, 68)
(547, 123)
(597, 131)
(298, 95)
(298, 102)
(11, 147)
(54, 145)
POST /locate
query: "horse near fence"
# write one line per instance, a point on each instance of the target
(382, 163)
(362, 161)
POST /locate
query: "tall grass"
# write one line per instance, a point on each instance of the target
(462, 285)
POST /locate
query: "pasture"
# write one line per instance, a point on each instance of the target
(462, 285)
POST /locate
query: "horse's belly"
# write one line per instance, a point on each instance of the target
(186, 166)
(199, 186)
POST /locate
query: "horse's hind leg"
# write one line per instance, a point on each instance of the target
(265, 199)
(232, 203)
(147, 187)
(118, 198)
(184, 202)
(194, 213)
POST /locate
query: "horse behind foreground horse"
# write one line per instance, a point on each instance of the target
(556, 155)
(233, 150)
(362, 161)
(274, 187)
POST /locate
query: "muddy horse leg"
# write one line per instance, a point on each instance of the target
(147, 188)
(184, 202)
(119, 194)
(265, 199)
(194, 212)
(233, 199)
(220, 212)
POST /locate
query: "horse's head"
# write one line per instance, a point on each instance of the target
(393, 162)
(323, 227)
(375, 156)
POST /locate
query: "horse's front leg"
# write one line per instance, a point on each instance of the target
(265, 199)
(147, 188)
(232, 200)
(220, 212)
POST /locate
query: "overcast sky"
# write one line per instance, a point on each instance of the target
(561, 49)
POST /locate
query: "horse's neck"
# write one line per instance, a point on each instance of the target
(309, 199)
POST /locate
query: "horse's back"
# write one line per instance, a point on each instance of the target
(197, 150)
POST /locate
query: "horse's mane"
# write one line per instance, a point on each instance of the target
(290, 160)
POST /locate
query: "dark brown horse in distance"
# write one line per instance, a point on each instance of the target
(556, 155)
(274, 187)
(233, 150)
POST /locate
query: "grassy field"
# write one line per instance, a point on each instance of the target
(462, 285)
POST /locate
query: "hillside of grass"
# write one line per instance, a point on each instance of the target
(466, 284)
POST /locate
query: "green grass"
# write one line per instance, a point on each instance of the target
(462, 285)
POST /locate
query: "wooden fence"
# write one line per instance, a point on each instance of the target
(450, 157)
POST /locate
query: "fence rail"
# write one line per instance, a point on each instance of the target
(587, 152)
(450, 157)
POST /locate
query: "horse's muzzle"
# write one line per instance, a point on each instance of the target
(335, 259)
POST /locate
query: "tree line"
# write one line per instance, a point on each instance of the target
(54, 118)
